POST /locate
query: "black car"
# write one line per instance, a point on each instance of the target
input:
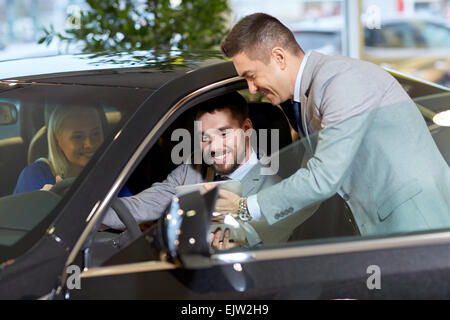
(52, 245)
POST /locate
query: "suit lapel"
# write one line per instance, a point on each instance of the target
(308, 71)
(307, 78)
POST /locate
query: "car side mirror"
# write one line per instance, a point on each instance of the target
(186, 228)
(8, 113)
(180, 236)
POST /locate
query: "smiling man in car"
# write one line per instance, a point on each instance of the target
(223, 123)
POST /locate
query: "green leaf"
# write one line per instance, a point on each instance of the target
(201, 24)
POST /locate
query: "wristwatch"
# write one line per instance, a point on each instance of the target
(243, 213)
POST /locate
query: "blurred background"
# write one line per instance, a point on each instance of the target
(410, 36)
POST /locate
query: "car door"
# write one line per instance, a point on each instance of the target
(411, 265)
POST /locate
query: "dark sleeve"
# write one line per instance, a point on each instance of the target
(34, 177)
(149, 204)
(125, 192)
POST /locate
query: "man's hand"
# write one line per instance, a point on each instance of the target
(228, 202)
(47, 187)
(225, 243)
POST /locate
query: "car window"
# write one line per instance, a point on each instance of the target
(436, 36)
(417, 34)
(399, 35)
(60, 129)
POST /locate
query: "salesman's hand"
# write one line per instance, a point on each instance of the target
(228, 202)
(47, 187)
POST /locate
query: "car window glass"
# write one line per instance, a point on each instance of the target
(436, 36)
(58, 132)
(400, 35)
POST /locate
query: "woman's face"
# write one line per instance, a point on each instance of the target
(80, 136)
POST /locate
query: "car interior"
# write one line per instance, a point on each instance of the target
(23, 140)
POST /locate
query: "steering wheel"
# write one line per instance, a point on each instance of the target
(60, 188)
(127, 219)
(133, 231)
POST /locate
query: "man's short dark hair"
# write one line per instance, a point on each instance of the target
(232, 101)
(258, 33)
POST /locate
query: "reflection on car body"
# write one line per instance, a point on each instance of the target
(43, 233)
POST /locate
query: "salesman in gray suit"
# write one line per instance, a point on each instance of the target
(373, 146)
(223, 119)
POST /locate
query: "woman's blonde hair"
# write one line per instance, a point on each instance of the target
(58, 162)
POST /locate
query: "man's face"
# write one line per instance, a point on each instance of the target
(269, 79)
(223, 140)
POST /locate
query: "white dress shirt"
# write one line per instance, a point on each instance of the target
(238, 174)
(252, 202)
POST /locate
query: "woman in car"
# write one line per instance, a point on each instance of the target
(74, 134)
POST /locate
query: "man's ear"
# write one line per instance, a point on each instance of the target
(278, 55)
(248, 124)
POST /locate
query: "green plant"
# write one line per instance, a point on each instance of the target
(127, 25)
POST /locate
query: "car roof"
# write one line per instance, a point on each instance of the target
(140, 69)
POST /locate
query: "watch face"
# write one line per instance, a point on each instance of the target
(244, 216)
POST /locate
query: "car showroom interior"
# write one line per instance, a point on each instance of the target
(227, 157)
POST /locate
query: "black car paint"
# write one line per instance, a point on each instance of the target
(407, 273)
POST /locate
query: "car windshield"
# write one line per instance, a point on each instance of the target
(48, 134)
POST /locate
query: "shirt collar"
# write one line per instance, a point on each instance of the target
(298, 81)
(242, 171)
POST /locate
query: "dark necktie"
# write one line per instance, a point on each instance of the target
(298, 117)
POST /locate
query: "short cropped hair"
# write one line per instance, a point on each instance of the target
(232, 101)
(258, 34)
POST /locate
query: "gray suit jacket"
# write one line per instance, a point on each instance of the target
(151, 203)
(371, 146)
